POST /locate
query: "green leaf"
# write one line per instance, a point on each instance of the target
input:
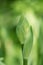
(22, 30)
(28, 45)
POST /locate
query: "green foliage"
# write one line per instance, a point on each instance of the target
(21, 32)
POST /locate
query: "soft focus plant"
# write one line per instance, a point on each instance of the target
(21, 32)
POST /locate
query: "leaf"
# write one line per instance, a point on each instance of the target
(28, 45)
(22, 30)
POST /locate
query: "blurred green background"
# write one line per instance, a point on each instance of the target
(21, 32)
